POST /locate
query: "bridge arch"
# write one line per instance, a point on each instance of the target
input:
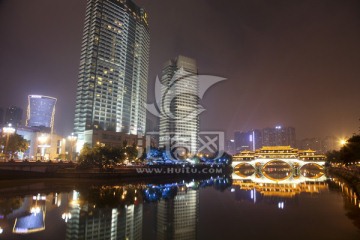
(314, 164)
(237, 169)
(263, 170)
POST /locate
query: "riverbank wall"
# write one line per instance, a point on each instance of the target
(350, 175)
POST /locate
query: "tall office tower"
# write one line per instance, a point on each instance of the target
(112, 82)
(179, 121)
(178, 218)
(41, 112)
(13, 116)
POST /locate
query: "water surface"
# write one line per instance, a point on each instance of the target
(245, 205)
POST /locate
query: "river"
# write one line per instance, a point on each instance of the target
(307, 205)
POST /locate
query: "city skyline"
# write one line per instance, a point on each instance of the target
(299, 73)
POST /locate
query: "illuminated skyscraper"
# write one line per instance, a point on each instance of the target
(112, 81)
(41, 112)
(179, 123)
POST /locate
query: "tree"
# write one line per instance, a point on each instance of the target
(16, 143)
(333, 156)
(350, 152)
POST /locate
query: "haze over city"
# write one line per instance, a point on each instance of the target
(290, 63)
(191, 119)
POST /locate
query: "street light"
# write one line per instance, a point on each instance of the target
(8, 131)
(72, 138)
(66, 216)
(343, 142)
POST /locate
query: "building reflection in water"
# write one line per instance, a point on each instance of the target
(33, 218)
(177, 217)
(114, 221)
(113, 212)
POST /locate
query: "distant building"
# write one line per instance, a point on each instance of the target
(2, 121)
(329, 143)
(311, 143)
(41, 112)
(113, 73)
(179, 128)
(230, 146)
(255, 139)
(279, 136)
(13, 116)
(321, 145)
(249, 140)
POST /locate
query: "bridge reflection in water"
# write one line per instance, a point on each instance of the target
(279, 180)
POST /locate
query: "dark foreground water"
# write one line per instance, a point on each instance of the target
(235, 207)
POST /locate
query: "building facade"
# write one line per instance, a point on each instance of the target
(179, 120)
(279, 136)
(249, 140)
(41, 112)
(42, 145)
(13, 116)
(254, 139)
(112, 81)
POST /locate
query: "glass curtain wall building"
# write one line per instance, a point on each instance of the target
(41, 112)
(179, 122)
(112, 82)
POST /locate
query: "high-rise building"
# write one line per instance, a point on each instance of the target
(13, 116)
(41, 112)
(279, 136)
(249, 140)
(1, 116)
(255, 139)
(179, 121)
(112, 82)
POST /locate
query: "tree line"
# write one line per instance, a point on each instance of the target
(105, 156)
(349, 153)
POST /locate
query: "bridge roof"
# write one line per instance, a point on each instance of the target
(277, 148)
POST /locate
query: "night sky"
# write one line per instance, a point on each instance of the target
(290, 62)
